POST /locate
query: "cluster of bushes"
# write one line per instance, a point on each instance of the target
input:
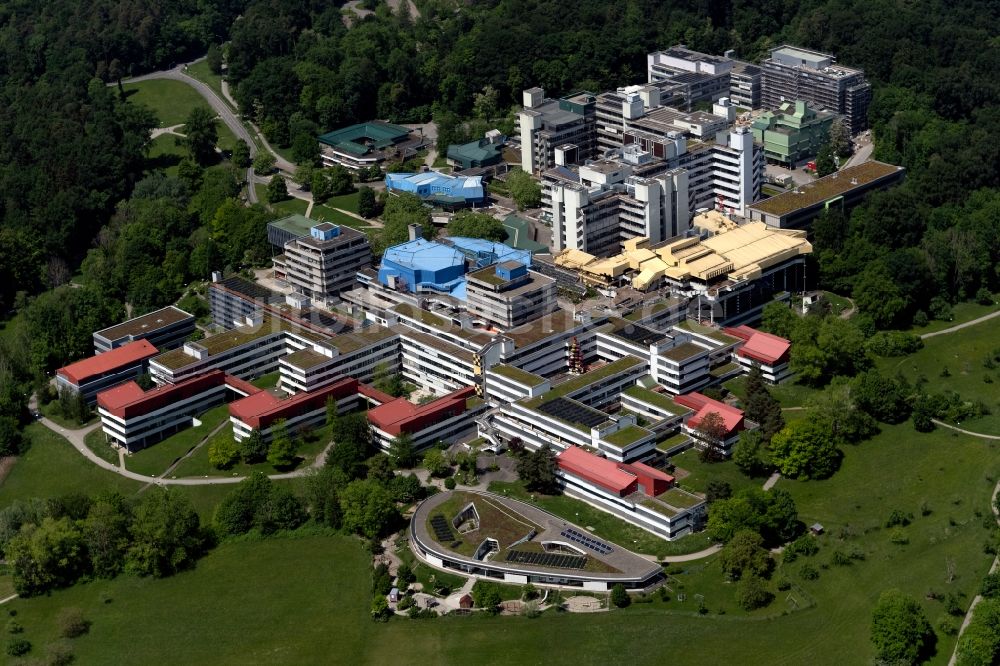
(51, 544)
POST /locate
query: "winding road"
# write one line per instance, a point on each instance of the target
(226, 114)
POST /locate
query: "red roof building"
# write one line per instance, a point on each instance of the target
(619, 479)
(262, 409)
(761, 347)
(601, 472)
(732, 418)
(128, 400)
(401, 415)
(108, 363)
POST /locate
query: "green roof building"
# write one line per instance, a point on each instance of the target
(793, 134)
(475, 154)
(367, 144)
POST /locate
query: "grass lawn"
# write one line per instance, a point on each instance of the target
(96, 442)
(200, 71)
(837, 302)
(306, 600)
(276, 601)
(155, 460)
(703, 472)
(328, 214)
(226, 137)
(270, 380)
(348, 202)
(428, 577)
(605, 525)
(290, 206)
(52, 467)
(171, 101)
(165, 154)
(198, 465)
(962, 353)
(789, 394)
(961, 313)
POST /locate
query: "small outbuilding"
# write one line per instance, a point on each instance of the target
(394, 595)
(816, 529)
(465, 602)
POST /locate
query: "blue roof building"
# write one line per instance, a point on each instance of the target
(421, 265)
(439, 188)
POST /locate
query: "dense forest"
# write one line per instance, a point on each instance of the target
(77, 196)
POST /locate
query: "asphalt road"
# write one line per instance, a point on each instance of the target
(223, 110)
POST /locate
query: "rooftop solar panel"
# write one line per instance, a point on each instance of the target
(573, 412)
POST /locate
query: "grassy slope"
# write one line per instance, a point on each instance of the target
(154, 460)
(51, 467)
(171, 101)
(200, 71)
(703, 472)
(300, 609)
(962, 353)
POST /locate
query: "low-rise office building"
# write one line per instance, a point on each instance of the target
(368, 144)
(635, 492)
(135, 419)
(97, 373)
(165, 328)
(792, 134)
(770, 353)
(730, 421)
(439, 189)
(484, 152)
(262, 411)
(842, 190)
(447, 419)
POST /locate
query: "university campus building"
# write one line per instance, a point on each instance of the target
(369, 144)
(165, 328)
(317, 259)
(104, 370)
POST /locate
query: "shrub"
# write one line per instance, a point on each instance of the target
(840, 559)
(72, 623)
(783, 583)
(990, 588)
(404, 603)
(14, 627)
(898, 517)
(449, 483)
(898, 536)
(17, 647)
(752, 593)
(947, 626)
(59, 653)
(808, 572)
(405, 574)
(619, 597)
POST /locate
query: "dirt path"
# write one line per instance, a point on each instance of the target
(965, 432)
(959, 327)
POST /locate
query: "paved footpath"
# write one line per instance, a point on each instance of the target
(959, 327)
(76, 438)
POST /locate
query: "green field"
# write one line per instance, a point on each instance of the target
(703, 472)
(51, 467)
(604, 524)
(171, 101)
(155, 460)
(348, 202)
(962, 353)
(51, 412)
(306, 600)
(789, 394)
(329, 214)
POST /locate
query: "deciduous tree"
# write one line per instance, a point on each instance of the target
(900, 631)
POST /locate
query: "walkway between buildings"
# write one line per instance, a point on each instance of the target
(77, 437)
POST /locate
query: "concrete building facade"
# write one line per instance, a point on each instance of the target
(325, 262)
(793, 134)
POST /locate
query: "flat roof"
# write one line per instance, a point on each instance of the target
(827, 187)
(518, 375)
(446, 325)
(584, 380)
(305, 359)
(692, 326)
(346, 343)
(297, 225)
(683, 351)
(109, 361)
(661, 400)
(557, 322)
(434, 342)
(146, 323)
(627, 435)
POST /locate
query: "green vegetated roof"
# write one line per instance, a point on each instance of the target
(627, 436)
(306, 359)
(826, 188)
(351, 342)
(692, 326)
(518, 375)
(658, 507)
(656, 399)
(672, 441)
(577, 383)
(423, 316)
(679, 498)
(488, 275)
(683, 351)
(518, 234)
